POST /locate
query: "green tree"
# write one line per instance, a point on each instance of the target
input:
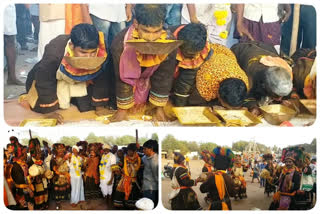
(154, 136)
(193, 146)
(239, 146)
(207, 146)
(25, 141)
(69, 141)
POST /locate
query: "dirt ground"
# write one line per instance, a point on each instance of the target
(96, 204)
(256, 200)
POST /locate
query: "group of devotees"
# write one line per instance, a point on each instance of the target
(197, 73)
(36, 177)
(292, 184)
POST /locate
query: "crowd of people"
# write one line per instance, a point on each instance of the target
(291, 180)
(35, 176)
(232, 56)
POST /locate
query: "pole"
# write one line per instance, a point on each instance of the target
(295, 29)
(30, 134)
(137, 138)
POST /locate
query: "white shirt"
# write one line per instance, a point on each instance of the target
(268, 12)
(109, 12)
(9, 22)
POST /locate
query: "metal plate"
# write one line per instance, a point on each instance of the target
(163, 47)
(276, 114)
(38, 122)
(87, 63)
(310, 105)
(238, 117)
(106, 118)
(196, 116)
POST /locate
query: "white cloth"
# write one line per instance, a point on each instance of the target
(9, 22)
(11, 200)
(109, 12)
(205, 14)
(47, 161)
(268, 12)
(77, 189)
(48, 31)
(105, 173)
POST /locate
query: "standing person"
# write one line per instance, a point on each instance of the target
(106, 175)
(91, 180)
(52, 24)
(262, 165)
(40, 182)
(128, 191)
(216, 18)
(34, 12)
(77, 190)
(61, 179)
(24, 190)
(114, 149)
(183, 197)
(188, 163)
(23, 17)
(238, 176)
(108, 18)
(220, 185)
(141, 77)
(208, 165)
(269, 186)
(150, 181)
(255, 170)
(261, 22)
(10, 32)
(289, 180)
(173, 16)
(307, 32)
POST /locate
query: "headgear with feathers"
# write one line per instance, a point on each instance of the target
(222, 158)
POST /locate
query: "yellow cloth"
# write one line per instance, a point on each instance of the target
(222, 65)
(219, 180)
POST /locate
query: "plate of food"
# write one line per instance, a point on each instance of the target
(238, 117)
(276, 114)
(38, 122)
(196, 116)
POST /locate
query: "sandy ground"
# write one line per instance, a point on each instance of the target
(96, 204)
(256, 197)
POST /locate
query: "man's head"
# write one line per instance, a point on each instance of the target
(232, 93)
(149, 19)
(106, 148)
(289, 162)
(148, 147)
(278, 82)
(75, 150)
(114, 149)
(84, 40)
(194, 37)
(131, 149)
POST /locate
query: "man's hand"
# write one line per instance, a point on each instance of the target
(244, 31)
(56, 116)
(121, 114)
(128, 12)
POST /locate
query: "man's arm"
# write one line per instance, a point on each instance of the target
(240, 28)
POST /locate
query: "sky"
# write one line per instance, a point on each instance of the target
(220, 136)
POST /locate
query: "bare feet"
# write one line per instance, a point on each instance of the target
(15, 81)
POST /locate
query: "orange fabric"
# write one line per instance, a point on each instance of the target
(243, 181)
(5, 197)
(129, 176)
(92, 169)
(182, 187)
(73, 16)
(221, 189)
